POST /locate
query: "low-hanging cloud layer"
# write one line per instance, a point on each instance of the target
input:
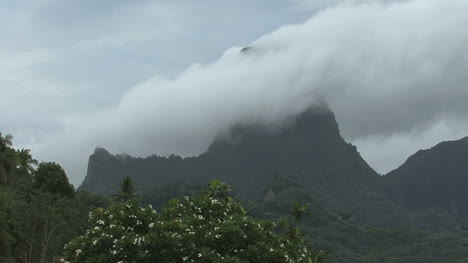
(394, 73)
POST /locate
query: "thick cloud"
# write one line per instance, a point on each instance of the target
(393, 73)
(61, 58)
(388, 151)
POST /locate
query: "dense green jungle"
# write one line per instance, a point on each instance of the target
(299, 193)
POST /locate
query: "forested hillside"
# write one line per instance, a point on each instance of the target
(41, 213)
(39, 209)
(336, 233)
(437, 177)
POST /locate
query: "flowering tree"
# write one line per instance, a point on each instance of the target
(210, 227)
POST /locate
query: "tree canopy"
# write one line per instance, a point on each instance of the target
(51, 177)
(127, 190)
(210, 227)
(8, 159)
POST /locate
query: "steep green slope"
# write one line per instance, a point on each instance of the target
(437, 177)
(348, 242)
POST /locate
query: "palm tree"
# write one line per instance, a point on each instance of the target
(5, 141)
(26, 162)
(8, 158)
(127, 190)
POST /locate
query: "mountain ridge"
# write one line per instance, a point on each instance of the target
(434, 177)
(311, 147)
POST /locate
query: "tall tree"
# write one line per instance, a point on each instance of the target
(5, 141)
(50, 177)
(8, 158)
(127, 190)
(26, 162)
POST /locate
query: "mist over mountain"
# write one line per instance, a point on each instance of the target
(234, 131)
(416, 213)
(310, 147)
(378, 65)
(247, 157)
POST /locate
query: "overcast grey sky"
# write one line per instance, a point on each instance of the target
(146, 77)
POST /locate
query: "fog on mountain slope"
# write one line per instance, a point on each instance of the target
(384, 69)
(311, 150)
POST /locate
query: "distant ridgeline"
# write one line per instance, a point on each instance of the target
(437, 177)
(329, 168)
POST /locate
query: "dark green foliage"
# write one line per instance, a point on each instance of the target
(5, 141)
(414, 214)
(50, 177)
(15, 165)
(34, 225)
(432, 178)
(8, 159)
(157, 196)
(37, 218)
(338, 234)
(210, 227)
(127, 190)
(25, 162)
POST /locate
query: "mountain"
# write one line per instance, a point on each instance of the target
(437, 177)
(348, 242)
(309, 146)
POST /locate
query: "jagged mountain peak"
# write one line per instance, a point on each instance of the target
(101, 150)
(309, 144)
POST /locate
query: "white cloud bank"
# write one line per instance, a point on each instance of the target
(388, 71)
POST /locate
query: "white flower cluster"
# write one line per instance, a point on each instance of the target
(138, 241)
(194, 224)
